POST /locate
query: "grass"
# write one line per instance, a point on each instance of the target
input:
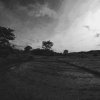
(46, 78)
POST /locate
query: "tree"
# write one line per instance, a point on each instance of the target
(27, 48)
(6, 34)
(65, 52)
(47, 45)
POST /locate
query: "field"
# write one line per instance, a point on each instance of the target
(52, 78)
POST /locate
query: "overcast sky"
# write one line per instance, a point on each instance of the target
(70, 24)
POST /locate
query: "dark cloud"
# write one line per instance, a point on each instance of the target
(31, 19)
(55, 4)
(13, 3)
(32, 8)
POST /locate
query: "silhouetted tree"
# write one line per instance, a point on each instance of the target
(28, 48)
(65, 52)
(47, 45)
(6, 34)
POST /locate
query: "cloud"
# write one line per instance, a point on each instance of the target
(13, 3)
(23, 9)
(55, 4)
(43, 10)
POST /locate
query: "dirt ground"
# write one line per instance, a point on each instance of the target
(48, 78)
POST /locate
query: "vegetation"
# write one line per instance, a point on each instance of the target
(65, 52)
(6, 35)
(37, 74)
(6, 48)
(47, 45)
(28, 48)
(44, 52)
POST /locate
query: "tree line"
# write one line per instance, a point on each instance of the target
(6, 47)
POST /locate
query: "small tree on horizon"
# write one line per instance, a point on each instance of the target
(47, 45)
(65, 52)
(28, 48)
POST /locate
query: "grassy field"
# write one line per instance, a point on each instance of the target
(52, 78)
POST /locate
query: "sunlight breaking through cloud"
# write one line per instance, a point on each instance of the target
(78, 27)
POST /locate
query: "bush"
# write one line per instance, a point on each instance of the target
(43, 52)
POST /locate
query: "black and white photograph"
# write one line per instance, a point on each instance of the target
(49, 49)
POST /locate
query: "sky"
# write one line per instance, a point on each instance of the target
(70, 24)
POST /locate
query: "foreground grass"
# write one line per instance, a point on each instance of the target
(46, 78)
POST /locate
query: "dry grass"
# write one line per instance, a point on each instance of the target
(45, 78)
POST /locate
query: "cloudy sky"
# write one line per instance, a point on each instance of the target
(70, 24)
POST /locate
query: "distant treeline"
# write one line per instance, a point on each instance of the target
(7, 48)
(44, 52)
(85, 54)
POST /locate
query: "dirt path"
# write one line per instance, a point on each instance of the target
(89, 70)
